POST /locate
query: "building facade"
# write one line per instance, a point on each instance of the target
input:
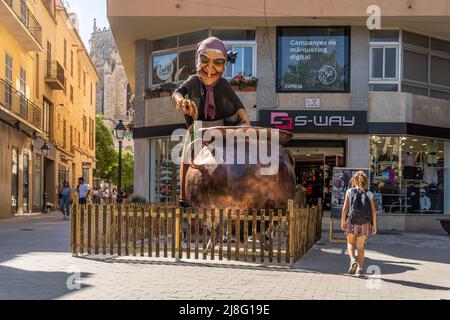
(113, 92)
(353, 97)
(47, 98)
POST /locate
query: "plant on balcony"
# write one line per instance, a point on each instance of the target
(241, 83)
(166, 89)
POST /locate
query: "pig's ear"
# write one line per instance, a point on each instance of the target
(232, 56)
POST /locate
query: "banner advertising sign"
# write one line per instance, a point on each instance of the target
(313, 59)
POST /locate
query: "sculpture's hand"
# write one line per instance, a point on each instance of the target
(244, 118)
(189, 108)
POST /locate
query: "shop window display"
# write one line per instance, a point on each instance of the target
(314, 175)
(165, 176)
(408, 172)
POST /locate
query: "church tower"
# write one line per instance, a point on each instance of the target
(113, 91)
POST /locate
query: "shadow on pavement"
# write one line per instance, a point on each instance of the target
(20, 284)
(194, 263)
(418, 285)
(21, 237)
(333, 263)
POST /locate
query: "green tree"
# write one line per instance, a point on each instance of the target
(105, 153)
(127, 170)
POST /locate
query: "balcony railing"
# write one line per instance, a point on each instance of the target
(50, 5)
(23, 13)
(18, 104)
(55, 76)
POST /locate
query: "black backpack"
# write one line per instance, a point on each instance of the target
(360, 209)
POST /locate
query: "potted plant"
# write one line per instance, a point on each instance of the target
(249, 84)
(235, 81)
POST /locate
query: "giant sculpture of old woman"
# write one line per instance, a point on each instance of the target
(208, 97)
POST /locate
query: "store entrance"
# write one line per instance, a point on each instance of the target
(314, 165)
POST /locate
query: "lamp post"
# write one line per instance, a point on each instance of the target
(120, 131)
(45, 151)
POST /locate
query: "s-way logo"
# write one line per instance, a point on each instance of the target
(283, 121)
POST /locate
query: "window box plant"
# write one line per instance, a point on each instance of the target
(163, 90)
(166, 89)
(241, 83)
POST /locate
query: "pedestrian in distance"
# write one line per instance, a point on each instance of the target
(96, 196)
(83, 191)
(105, 196)
(65, 193)
(114, 195)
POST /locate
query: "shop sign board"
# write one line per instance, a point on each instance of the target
(315, 121)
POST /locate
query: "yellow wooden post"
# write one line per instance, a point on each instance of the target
(291, 231)
(177, 234)
(73, 228)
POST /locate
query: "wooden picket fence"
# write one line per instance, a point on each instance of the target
(173, 232)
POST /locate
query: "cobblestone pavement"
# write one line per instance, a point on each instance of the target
(35, 264)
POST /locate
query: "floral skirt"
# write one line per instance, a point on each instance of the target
(358, 229)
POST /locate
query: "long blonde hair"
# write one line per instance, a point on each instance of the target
(360, 180)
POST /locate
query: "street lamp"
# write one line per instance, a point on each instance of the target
(45, 150)
(120, 131)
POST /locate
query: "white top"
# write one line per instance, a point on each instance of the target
(83, 190)
(425, 203)
(369, 193)
(408, 160)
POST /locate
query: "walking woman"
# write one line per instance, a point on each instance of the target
(65, 199)
(360, 222)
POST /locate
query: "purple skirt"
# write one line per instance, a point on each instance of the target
(358, 229)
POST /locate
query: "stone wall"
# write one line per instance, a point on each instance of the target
(407, 107)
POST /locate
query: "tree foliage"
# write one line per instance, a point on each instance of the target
(106, 155)
(127, 170)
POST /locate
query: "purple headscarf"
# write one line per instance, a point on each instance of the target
(212, 43)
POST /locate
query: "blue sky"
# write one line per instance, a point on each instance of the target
(87, 10)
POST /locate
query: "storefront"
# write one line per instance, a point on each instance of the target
(351, 97)
(314, 164)
(409, 173)
(320, 143)
(165, 177)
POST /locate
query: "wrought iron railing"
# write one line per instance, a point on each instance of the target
(50, 5)
(55, 71)
(21, 10)
(18, 104)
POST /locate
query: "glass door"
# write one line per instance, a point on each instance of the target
(14, 181)
(37, 182)
(26, 182)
